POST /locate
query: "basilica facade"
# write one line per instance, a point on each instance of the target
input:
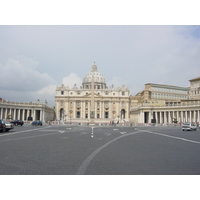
(75, 104)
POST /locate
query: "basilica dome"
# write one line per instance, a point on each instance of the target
(99, 80)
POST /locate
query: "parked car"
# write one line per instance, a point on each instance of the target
(37, 123)
(2, 126)
(9, 126)
(189, 126)
(17, 122)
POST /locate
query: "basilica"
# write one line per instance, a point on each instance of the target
(95, 102)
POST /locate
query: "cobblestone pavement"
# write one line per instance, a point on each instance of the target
(70, 150)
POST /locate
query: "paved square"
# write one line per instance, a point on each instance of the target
(70, 150)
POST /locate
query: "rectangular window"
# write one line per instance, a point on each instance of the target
(106, 114)
(78, 114)
(62, 92)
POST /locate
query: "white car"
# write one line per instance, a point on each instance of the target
(189, 126)
(9, 126)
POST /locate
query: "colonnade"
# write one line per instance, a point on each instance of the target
(26, 111)
(20, 114)
(175, 116)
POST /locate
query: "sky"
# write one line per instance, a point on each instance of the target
(36, 59)
(41, 51)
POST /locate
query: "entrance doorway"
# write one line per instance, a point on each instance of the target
(61, 113)
(123, 114)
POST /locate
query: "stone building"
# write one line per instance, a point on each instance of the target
(172, 93)
(163, 104)
(195, 88)
(26, 111)
(110, 104)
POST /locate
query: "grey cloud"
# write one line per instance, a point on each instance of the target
(18, 77)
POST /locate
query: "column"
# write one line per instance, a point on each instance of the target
(195, 117)
(165, 117)
(5, 113)
(110, 110)
(170, 117)
(161, 118)
(33, 114)
(14, 114)
(157, 121)
(42, 115)
(182, 120)
(1, 112)
(81, 110)
(88, 109)
(74, 111)
(181, 117)
(18, 113)
(8, 111)
(100, 109)
(186, 116)
(95, 109)
(178, 116)
(173, 116)
(190, 116)
(149, 117)
(23, 114)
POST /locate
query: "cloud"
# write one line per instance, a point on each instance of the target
(125, 55)
(46, 93)
(21, 75)
(71, 80)
(116, 82)
(22, 82)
